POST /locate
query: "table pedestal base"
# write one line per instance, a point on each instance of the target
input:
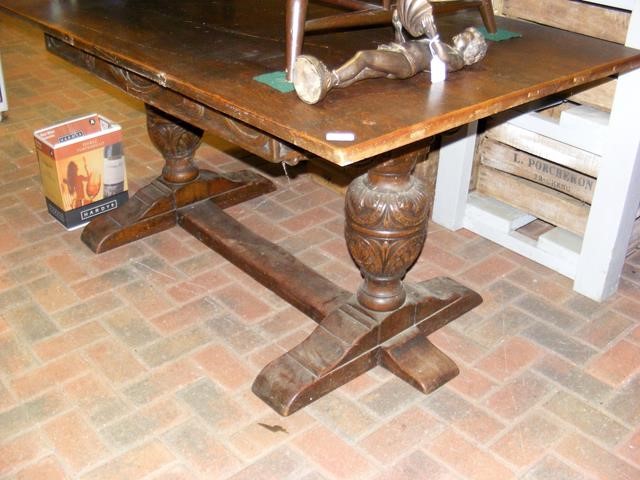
(385, 323)
(155, 207)
(352, 340)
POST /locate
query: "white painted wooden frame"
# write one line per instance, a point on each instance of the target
(594, 261)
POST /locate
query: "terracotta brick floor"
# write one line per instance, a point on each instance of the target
(138, 363)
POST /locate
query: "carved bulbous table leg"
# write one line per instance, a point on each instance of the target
(386, 226)
(155, 207)
(177, 141)
(386, 323)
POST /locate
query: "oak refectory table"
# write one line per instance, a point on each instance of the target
(194, 65)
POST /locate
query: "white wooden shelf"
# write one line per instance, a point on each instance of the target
(595, 260)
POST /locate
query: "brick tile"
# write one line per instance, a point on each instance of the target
(466, 459)
(190, 314)
(202, 451)
(174, 472)
(312, 196)
(68, 341)
(628, 307)
(135, 463)
(584, 306)
(208, 280)
(282, 323)
(88, 310)
(21, 450)
(457, 345)
(602, 464)
(130, 328)
(115, 361)
(268, 432)
(533, 282)
(118, 266)
(96, 399)
(586, 418)
(472, 383)
(624, 404)
(509, 358)
(443, 258)
(7, 400)
(342, 415)
(550, 468)
(559, 343)
(630, 449)
(604, 329)
(75, 441)
(163, 380)
(8, 239)
(14, 421)
(66, 267)
(51, 293)
(573, 378)
(26, 272)
(47, 468)
(550, 313)
(148, 421)
(157, 271)
(401, 435)
(14, 358)
(212, 405)
(634, 336)
(170, 348)
(475, 248)
(52, 373)
(105, 282)
(30, 322)
(168, 247)
(617, 364)
(527, 441)
(463, 415)
(307, 219)
(332, 453)
(243, 303)
(145, 298)
(416, 466)
(518, 396)
(13, 297)
(390, 397)
(488, 270)
(281, 464)
(223, 366)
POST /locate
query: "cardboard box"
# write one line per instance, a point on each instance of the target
(82, 168)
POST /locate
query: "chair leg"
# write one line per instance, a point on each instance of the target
(486, 11)
(295, 15)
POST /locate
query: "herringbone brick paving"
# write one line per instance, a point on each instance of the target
(137, 364)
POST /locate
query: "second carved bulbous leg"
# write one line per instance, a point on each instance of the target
(386, 226)
(386, 323)
(177, 141)
(155, 207)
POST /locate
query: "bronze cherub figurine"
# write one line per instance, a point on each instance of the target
(400, 59)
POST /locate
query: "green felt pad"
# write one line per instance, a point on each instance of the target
(277, 80)
(500, 35)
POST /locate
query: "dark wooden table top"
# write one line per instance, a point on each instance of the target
(211, 51)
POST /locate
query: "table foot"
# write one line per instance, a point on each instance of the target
(353, 339)
(154, 207)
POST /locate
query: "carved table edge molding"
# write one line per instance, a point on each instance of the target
(154, 93)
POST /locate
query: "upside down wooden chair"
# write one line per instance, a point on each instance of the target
(361, 14)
